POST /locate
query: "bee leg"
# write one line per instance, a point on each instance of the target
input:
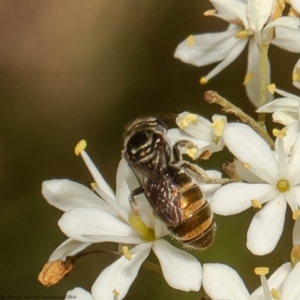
(177, 155)
(201, 175)
(135, 192)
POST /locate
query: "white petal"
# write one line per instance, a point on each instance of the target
(66, 194)
(79, 293)
(81, 221)
(68, 247)
(231, 10)
(122, 188)
(266, 227)
(284, 22)
(258, 13)
(234, 198)
(291, 287)
(296, 5)
(275, 280)
(180, 269)
(296, 232)
(279, 104)
(287, 39)
(119, 276)
(223, 282)
(208, 48)
(253, 68)
(250, 148)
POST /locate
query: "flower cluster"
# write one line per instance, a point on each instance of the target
(264, 174)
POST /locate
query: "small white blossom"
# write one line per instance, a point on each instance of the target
(89, 218)
(222, 282)
(296, 74)
(279, 184)
(246, 24)
(204, 136)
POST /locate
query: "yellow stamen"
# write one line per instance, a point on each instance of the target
(248, 78)
(296, 74)
(256, 204)
(247, 166)
(279, 133)
(187, 120)
(218, 127)
(209, 13)
(127, 253)
(115, 293)
(271, 88)
(283, 185)
(275, 294)
(296, 214)
(146, 233)
(80, 147)
(94, 186)
(191, 41)
(261, 271)
(203, 80)
(295, 255)
(242, 34)
(191, 151)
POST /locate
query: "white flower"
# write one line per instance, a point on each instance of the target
(296, 5)
(286, 112)
(279, 184)
(204, 137)
(246, 24)
(296, 73)
(93, 219)
(222, 282)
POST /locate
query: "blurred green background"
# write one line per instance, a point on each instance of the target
(77, 69)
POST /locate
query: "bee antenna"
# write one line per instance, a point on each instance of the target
(169, 116)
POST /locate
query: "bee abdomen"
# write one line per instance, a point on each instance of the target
(198, 230)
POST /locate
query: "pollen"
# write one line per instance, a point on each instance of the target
(256, 204)
(279, 133)
(295, 255)
(191, 152)
(243, 34)
(127, 253)
(271, 88)
(187, 120)
(209, 13)
(283, 185)
(247, 166)
(275, 294)
(296, 75)
(80, 147)
(248, 78)
(191, 41)
(116, 294)
(218, 127)
(203, 80)
(94, 186)
(296, 214)
(146, 233)
(261, 271)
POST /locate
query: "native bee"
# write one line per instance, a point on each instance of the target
(170, 184)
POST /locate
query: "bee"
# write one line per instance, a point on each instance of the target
(170, 184)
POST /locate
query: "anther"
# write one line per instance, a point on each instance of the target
(261, 271)
(203, 80)
(271, 88)
(191, 41)
(248, 78)
(279, 133)
(296, 214)
(256, 204)
(80, 147)
(247, 166)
